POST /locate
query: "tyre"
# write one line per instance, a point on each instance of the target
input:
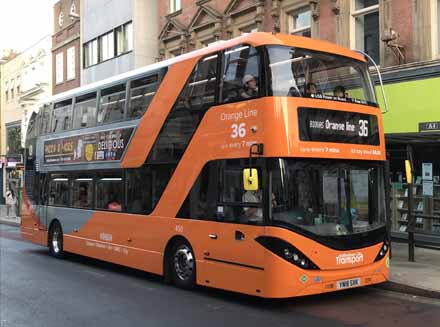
(183, 265)
(56, 241)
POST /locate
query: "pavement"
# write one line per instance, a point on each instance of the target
(419, 278)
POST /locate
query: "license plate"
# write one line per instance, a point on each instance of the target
(347, 283)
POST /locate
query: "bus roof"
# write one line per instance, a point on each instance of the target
(254, 39)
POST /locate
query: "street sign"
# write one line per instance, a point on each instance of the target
(429, 126)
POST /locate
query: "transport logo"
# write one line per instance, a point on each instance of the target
(349, 258)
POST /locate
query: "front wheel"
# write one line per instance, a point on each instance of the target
(56, 241)
(183, 265)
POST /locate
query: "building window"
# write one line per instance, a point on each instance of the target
(7, 90)
(72, 10)
(18, 82)
(12, 86)
(61, 19)
(91, 53)
(107, 46)
(300, 22)
(175, 5)
(366, 27)
(124, 38)
(71, 63)
(59, 78)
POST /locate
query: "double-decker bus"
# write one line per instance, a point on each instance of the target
(254, 165)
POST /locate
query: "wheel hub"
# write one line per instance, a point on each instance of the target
(184, 262)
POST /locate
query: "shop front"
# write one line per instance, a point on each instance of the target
(412, 129)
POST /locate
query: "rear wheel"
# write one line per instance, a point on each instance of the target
(56, 241)
(183, 265)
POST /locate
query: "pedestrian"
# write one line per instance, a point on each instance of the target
(11, 201)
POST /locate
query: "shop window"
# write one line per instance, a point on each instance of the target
(82, 192)
(112, 104)
(366, 17)
(62, 116)
(300, 22)
(85, 111)
(110, 192)
(59, 191)
(196, 97)
(142, 92)
(240, 74)
(13, 139)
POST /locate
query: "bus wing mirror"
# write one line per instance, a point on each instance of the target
(379, 76)
(250, 179)
(408, 170)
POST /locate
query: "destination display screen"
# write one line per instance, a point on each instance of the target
(93, 147)
(321, 125)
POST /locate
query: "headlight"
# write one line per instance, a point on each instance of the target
(383, 250)
(286, 251)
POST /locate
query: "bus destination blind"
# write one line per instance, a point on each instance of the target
(93, 147)
(322, 125)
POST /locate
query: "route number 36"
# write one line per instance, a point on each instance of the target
(363, 128)
(238, 130)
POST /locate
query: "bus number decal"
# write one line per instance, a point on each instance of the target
(179, 228)
(238, 130)
(363, 128)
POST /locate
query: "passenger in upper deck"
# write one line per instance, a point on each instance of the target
(250, 87)
(339, 91)
(310, 89)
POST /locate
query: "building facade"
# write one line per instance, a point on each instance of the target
(117, 36)
(26, 80)
(66, 46)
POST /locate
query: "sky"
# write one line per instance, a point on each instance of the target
(24, 22)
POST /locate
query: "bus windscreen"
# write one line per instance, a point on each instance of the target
(328, 198)
(305, 73)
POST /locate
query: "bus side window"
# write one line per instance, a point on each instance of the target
(195, 98)
(139, 190)
(58, 190)
(85, 111)
(142, 92)
(112, 104)
(202, 199)
(45, 119)
(62, 116)
(82, 192)
(110, 192)
(240, 74)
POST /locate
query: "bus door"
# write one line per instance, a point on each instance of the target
(233, 252)
(236, 258)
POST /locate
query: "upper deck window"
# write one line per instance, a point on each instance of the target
(85, 111)
(112, 104)
(304, 73)
(62, 116)
(240, 74)
(141, 93)
(45, 119)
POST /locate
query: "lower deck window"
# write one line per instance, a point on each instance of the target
(109, 193)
